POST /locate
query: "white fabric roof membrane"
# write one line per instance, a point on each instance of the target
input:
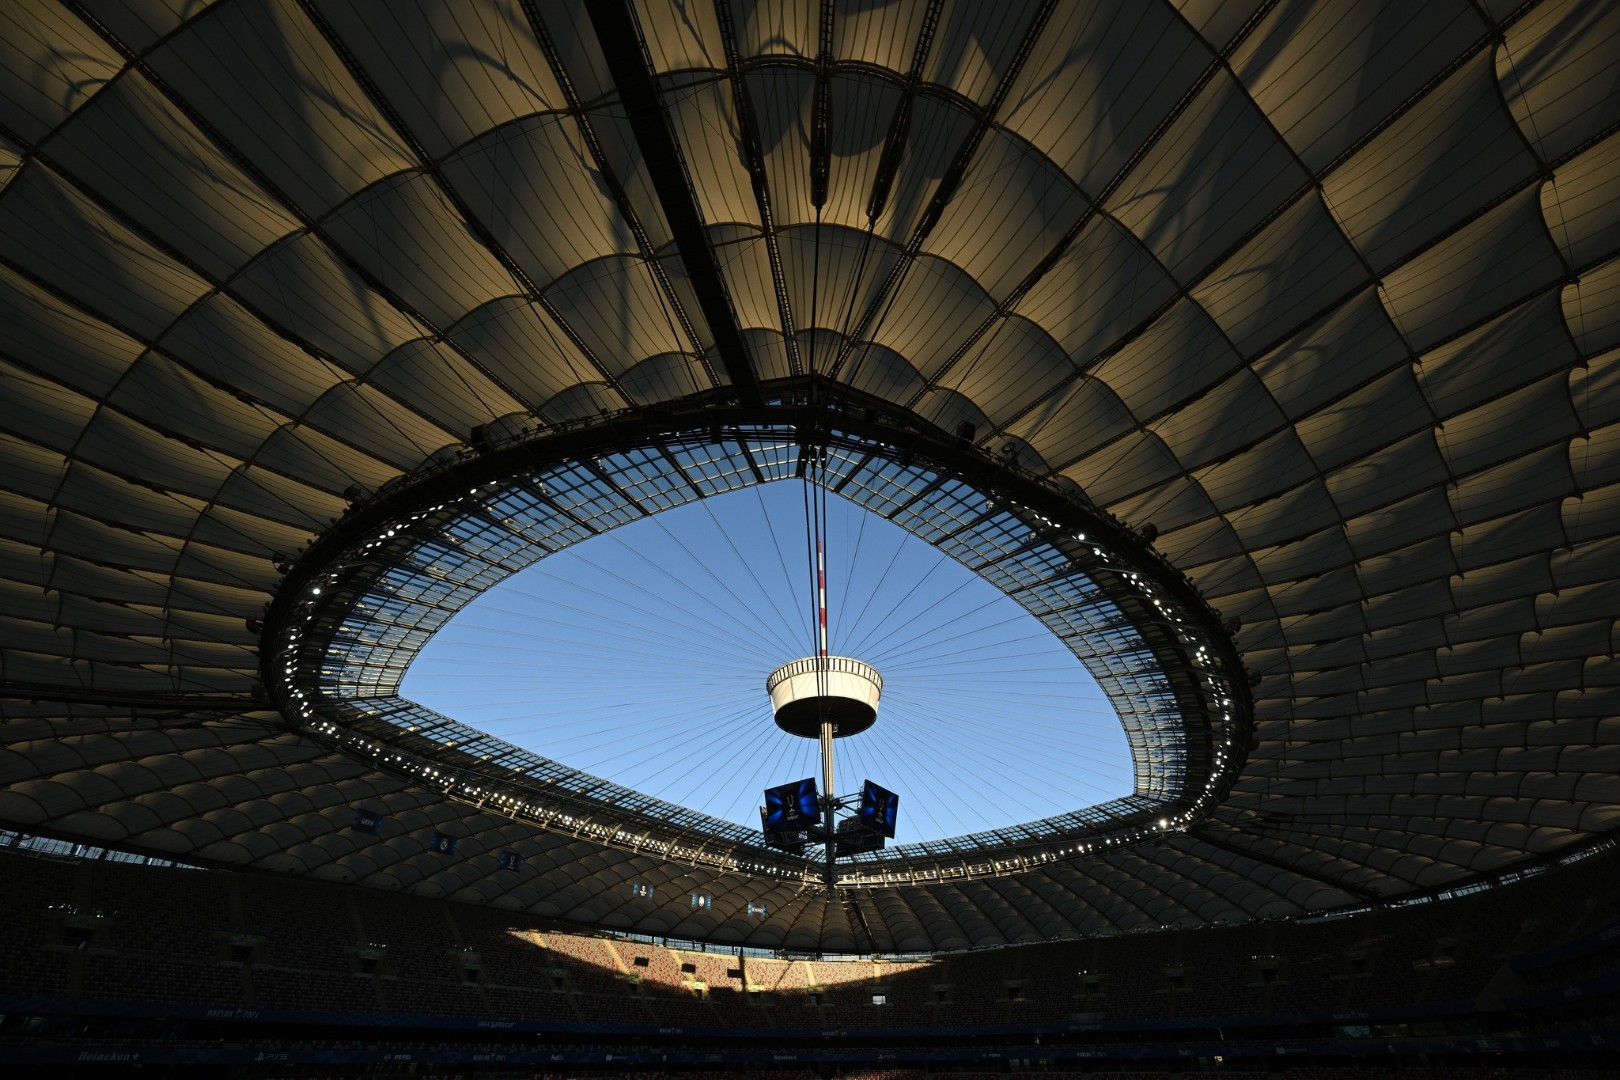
(1328, 293)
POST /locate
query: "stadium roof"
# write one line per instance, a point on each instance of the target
(1328, 295)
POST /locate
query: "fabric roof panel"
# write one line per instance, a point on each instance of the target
(1297, 553)
(190, 193)
(251, 69)
(1494, 432)
(95, 493)
(1086, 415)
(1591, 638)
(1181, 355)
(1592, 312)
(668, 375)
(1123, 467)
(1015, 361)
(1103, 288)
(31, 469)
(1578, 205)
(1499, 356)
(1593, 513)
(938, 132)
(1528, 576)
(261, 493)
(306, 288)
(1089, 115)
(1180, 509)
(704, 124)
(1283, 279)
(211, 339)
(614, 305)
(1527, 480)
(1477, 272)
(1382, 412)
(1230, 415)
(1271, 467)
(936, 306)
(441, 383)
(92, 541)
(123, 445)
(141, 23)
(975, 43)
(160, 393)
(516, 179)
(410, 241)
(1453, 151)
(42, 412)
(1346, 349)
(321, 460)
(226, 526)
(850, 273)
(1217, 21)
(366, 419)
(747, 271)
(214, 579)
(26, 520)
(1334, 587)
(1327, 74)
(1199, 545)
(1595, 460)
(862, 106)
(780, 101)
(11, 159)
(621, 155)
(484, 66)
(681, 36)
(880, 34)
(1556, 74)
(1215, 175)
(519, 344)
(998, 239)
(1539, 528)
(51, 64)
(777, 28)
(53, 232)
(1420, 516)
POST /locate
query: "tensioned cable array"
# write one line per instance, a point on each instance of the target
(640, 659)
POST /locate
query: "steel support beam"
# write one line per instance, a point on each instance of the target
(619, 35)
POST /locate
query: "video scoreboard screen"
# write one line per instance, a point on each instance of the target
(879, 809)
(792, 807)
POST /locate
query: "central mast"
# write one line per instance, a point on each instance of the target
(828, 800)
(824, 697)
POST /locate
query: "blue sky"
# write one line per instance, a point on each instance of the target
(641, 656)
